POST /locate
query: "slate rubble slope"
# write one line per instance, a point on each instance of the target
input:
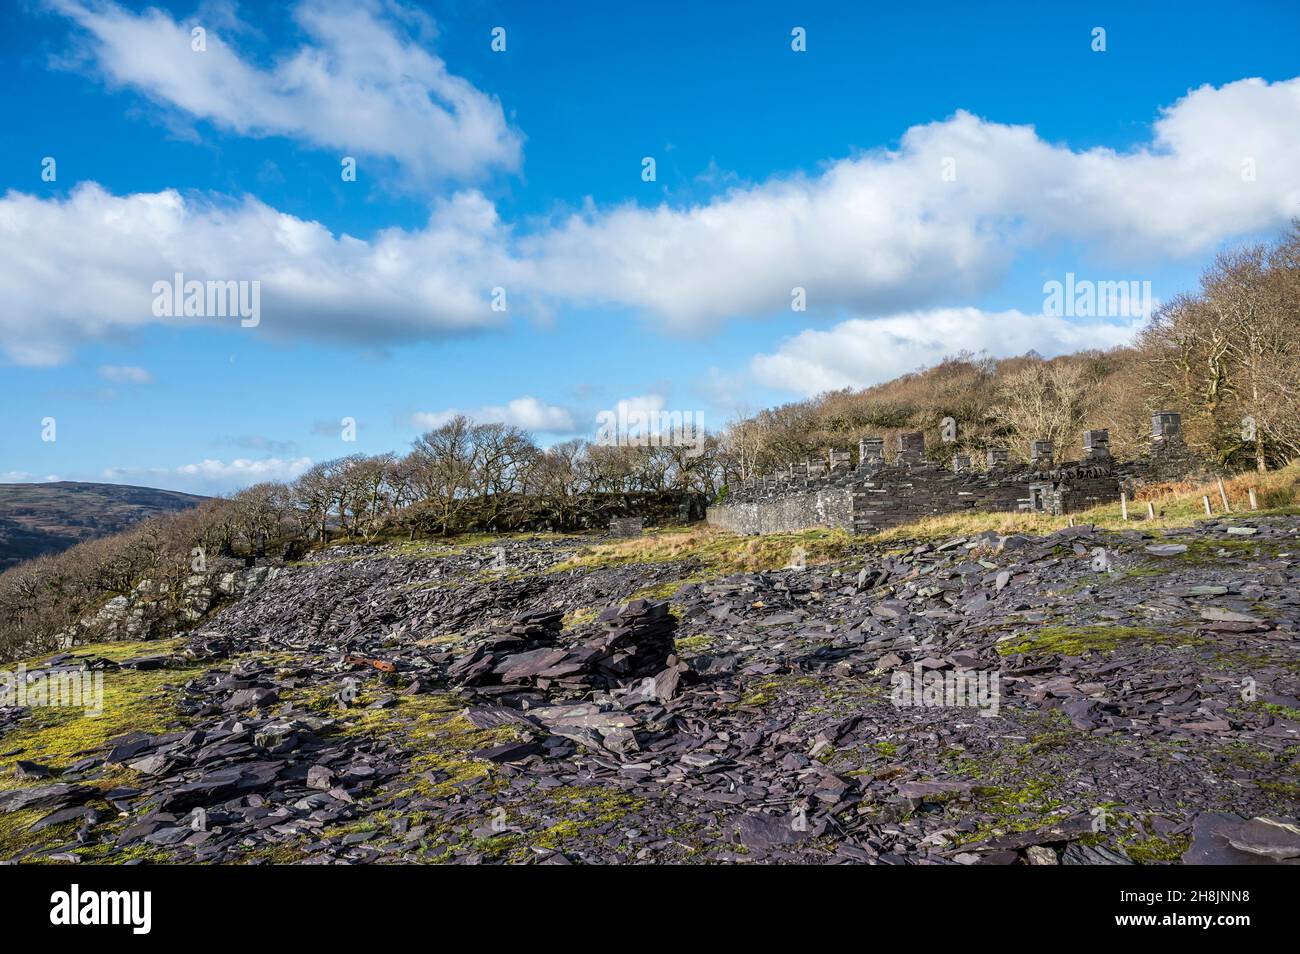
(370, 706)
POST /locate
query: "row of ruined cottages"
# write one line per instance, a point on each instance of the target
(876, 494)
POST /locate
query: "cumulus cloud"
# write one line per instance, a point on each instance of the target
(266, 468)
(878, 234)
(891, 230)
(361, 85)
(23, 477)
(212, 475)
(861, 352)
(125, 374)
(397, 286)
(526, 412)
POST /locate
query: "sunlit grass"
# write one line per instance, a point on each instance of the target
(719, 551)
(133, 701)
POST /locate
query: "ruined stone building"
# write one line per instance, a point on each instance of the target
(875, 495)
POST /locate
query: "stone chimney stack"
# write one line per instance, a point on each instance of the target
(960, 463)
(1096, 445)
(997, 458)
(1166, 425)
(911, 447)
(871, 451)
(1040, 455)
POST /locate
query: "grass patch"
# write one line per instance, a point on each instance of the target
(133, 702)
(1211, 552)
(1282, 712)
(719, 552)
(950, 525)
(566, 815)
(760, 694)
(697, 643)
(116, 651)
(453, 545)
(1155, 849)
(1078, 640)
(433, 727)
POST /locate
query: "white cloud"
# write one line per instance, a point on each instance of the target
(861, 352)
(885, 231)
(361, 86)
(125, 374)
(267, 468)
(526, 412)
(647, 415)
(872, 235)
(211, 475)
(397, 286)
(23, 477)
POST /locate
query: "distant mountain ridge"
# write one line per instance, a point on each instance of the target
(37, 519)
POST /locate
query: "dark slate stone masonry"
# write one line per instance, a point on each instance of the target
(877, 495)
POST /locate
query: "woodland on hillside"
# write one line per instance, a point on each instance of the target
(1226, 356)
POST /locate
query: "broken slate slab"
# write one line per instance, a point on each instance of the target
(58, 795)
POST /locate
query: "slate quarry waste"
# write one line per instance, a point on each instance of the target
(370, 706)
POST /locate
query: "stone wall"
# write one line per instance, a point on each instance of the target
(626, 526)
(896, 495)
(824, 507)
(877, 495)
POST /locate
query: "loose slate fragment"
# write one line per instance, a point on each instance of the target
(56, 795)
(764, 831)
(1269, 837)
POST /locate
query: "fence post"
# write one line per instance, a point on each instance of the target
(1223, 495)
(1254, 505)
(1123, 505)
(1206, 501)
(1151, 510)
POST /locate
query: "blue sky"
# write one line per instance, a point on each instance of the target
(822, 169)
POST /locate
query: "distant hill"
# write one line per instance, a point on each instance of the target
(36, 519)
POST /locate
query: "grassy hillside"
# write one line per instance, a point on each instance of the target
(36, 519)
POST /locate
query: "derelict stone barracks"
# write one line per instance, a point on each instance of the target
(877, 495)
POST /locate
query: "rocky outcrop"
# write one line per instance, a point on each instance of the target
(153, 609)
